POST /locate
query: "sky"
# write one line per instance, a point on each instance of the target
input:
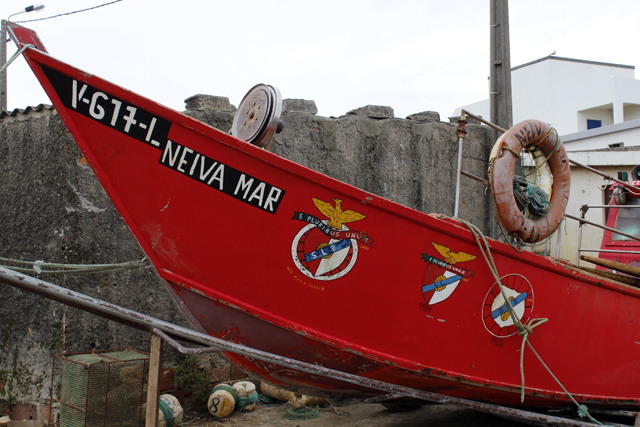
(411, 55)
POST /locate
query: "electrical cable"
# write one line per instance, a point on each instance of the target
(69, 13)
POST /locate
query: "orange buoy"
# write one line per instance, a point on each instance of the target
(529, 134)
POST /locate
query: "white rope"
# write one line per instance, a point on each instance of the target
(41, 267)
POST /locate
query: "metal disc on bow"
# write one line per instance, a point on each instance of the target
(258, 116)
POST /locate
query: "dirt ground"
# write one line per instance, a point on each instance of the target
(371, 415)
(355, 415)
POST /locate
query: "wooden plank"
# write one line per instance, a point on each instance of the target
(153, 395)
(608, 275)
(614, 265)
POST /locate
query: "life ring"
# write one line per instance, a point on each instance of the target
(532, 135)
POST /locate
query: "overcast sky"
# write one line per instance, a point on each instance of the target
(411, 55)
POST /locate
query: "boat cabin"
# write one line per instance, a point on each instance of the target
(624, 216)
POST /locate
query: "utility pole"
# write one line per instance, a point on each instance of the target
(3, 52)
(500, 74)
(3, 60)
(499, 77)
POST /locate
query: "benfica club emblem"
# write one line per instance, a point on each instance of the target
(443, 276)
(495, 314)
(327, 249)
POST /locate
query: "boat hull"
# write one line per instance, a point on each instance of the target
(264, 252)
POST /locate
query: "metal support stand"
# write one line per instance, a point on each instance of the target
(461, 133)
(558, 238)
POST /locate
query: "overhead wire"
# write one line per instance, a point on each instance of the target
(69, 13)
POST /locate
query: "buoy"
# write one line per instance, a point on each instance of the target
(247, 396)
(503, 158)
(222, 401)
(170, 411)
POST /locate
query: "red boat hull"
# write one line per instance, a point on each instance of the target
(264, 252)
(626, 220)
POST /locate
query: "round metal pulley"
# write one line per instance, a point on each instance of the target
(258, 116)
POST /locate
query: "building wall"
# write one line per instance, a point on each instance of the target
(627, 133)
(565, 93)
(587, 188)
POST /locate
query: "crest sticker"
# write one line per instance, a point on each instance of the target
(495, 313)
(443, 275)
(326, 249)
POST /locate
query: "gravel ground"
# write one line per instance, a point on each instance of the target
(355, 415)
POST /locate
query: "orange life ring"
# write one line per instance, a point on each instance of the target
(506, 151)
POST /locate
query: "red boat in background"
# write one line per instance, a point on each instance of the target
(264, 252)
(625, 218)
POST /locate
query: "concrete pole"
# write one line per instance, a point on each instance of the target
(499, 77)
(3, 60)
(500, 74)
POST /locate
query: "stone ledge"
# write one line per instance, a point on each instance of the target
(425, 116)
(299, 106)
(373, 112)
(209, 102)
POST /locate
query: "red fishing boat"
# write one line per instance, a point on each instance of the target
(624, 216)
(264, 252)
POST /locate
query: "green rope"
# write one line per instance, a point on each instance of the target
(41, 267)
(15, 55)
(302, 413)
(227, 388)
(243, 402)
(268, 400)
(532, 200)
(524, 329)
(167, 412)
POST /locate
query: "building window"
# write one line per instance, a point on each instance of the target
(592, 124)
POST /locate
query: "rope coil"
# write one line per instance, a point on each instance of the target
(532, 200)
(243, 402)
(167, 412)
(302, 413)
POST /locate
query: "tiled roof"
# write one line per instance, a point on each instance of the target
(21, 111)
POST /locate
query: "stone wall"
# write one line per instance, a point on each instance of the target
(54, 209)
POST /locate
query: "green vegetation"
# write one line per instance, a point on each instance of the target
(189, 377)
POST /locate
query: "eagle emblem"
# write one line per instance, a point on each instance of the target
(443, 275)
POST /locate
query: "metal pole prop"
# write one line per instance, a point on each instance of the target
(461, 133)
(148, 323)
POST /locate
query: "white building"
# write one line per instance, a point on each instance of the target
(571, 94)
(626, 134)
(595, 107)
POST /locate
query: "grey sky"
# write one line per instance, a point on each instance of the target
(412, 55)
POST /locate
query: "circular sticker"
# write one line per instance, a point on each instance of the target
(495, 314)
(320, 257)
